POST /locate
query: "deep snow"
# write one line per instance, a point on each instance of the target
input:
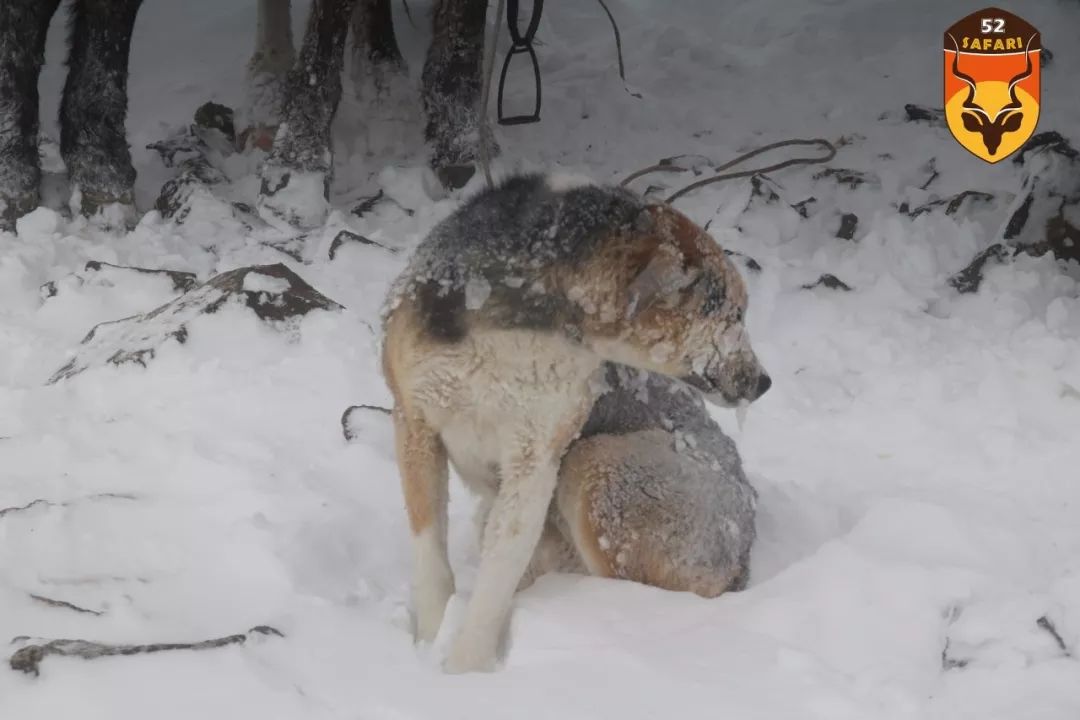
(916, 457)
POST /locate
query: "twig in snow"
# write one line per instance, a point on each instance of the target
(64, 604)
(345, 416)
(67, 503)
(948, 662)
(27, 506)
(28, 659)
(1046, 624)
(345, 236)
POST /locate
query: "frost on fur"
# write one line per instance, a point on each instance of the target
(673, 462)
(501, 239)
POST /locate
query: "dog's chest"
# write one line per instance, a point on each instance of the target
(512, 392)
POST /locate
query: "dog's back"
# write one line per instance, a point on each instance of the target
(499, 250)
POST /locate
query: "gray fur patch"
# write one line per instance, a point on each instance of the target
(507, 238)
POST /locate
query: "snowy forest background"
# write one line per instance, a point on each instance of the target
(916, 460)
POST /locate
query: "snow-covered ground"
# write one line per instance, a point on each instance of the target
(916, 459)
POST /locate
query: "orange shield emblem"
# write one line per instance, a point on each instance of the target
(992, 82)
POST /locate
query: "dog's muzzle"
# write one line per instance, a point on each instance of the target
(747, 389)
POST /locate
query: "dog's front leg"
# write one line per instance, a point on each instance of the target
(510, 537)
(422, 462)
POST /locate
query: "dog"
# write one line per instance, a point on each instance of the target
(653, 491)
(498, 337)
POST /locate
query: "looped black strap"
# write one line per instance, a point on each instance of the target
(521, 44)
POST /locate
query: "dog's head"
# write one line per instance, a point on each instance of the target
(676, 307)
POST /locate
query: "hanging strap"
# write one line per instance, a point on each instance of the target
(521, 45)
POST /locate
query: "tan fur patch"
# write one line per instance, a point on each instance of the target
(674, 227)
(423, 466)
(577, 475)
(421, 456)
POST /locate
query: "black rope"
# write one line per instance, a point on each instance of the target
(521, 44)
(618, 39)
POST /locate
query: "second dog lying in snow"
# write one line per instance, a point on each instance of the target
(499, 336)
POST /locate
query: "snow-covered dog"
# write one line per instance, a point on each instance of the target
(499, 337)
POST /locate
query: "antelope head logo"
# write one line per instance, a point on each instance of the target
(1007, 119)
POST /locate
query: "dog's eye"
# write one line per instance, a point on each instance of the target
(712, 294)
(739, 315)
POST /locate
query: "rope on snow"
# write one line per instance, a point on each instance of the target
(668, 166)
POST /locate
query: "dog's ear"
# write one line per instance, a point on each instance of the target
(664, 274)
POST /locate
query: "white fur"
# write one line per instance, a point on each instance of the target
(434, 581)
(562, 181)
(505, 404)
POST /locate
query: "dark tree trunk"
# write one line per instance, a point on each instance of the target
(269, 65)
(23, 26)
(93, 140)
(375, 50)
(296, 175)
(451, 89)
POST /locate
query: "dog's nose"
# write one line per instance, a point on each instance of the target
(763, 384)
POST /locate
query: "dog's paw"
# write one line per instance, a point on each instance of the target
(430, 601)
(427, 625)
(466, 657)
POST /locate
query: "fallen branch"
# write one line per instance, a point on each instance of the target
(28, 659)
(970, 278)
